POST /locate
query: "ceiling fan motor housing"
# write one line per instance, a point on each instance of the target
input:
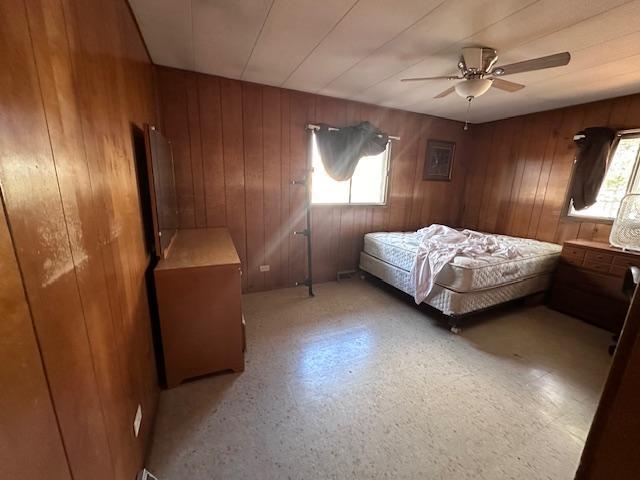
(477, 60)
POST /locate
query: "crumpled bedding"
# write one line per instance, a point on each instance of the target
(440, 244)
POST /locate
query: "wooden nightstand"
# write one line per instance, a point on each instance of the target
(588, 283)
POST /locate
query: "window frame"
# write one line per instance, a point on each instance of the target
(566, 211)
(387, 182)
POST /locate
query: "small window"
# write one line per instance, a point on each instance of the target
(368, 186)
(621, 178)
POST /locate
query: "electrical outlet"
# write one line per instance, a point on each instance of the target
(137, 421)
(265, 268)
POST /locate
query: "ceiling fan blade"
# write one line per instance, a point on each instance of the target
(506, 85)
(420, 79)
(445, 93)
(550, 61)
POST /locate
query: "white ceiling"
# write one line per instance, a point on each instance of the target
(360, 49)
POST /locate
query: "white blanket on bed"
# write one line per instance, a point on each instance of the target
(440, 244)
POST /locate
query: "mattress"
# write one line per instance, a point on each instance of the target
(465, 274)
(449, 301)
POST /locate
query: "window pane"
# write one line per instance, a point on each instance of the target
(368, 181)
(367, 186)
(324, 188)
(616, 181)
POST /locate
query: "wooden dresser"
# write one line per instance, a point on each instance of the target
(198, 289)
(588, 283)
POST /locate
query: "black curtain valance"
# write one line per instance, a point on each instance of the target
(341, 149)
(592, 159)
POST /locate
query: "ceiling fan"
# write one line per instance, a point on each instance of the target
(476, 66)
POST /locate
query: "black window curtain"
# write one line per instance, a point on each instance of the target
(341, 149)
(591, 165)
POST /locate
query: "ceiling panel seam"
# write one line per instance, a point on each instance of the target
(384, 44)
(600, 64)
(319, 43)
(244, 68)
(449, 46)
(193, 43)
(595, 15)
(519, 45)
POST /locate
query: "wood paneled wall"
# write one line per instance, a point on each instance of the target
(76, 80)
(238, 145)
(26, 412)
(520, 168)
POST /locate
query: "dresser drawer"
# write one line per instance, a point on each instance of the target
(618, 271)
(601, 311)
(590, 281)
(573, 253)
(577, 262)
(597, 266)
(598, 257)
(626, 262)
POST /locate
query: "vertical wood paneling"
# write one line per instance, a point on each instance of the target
(561, 165)
(284, 230)
(212, 153)
(265, 146)
(65, 133)
(476, 177)
(520, 149)
(195, 149)
(532, 153)
(26, 411)
(233, 153)
(417, 193)
(80, 81)
(115, 97)
(254, 184)
(272, 185)
(529, 169)
(27, 171)
(402, 168)
(551, 139)
(496, 185)
(175, 116)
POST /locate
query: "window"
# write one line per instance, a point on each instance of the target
(621, 178)
(368, 186)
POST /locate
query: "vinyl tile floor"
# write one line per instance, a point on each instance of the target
(359, 383)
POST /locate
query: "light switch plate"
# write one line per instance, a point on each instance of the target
(265, 268)
(137, 421)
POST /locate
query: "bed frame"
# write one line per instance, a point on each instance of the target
(538, 286)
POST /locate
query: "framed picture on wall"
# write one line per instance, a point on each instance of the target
(438, 162)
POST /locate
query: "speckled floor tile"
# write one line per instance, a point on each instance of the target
(358, 383)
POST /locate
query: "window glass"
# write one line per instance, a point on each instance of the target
(368, 186)
(619, 180)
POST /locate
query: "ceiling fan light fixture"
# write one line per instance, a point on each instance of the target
(473, 87)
